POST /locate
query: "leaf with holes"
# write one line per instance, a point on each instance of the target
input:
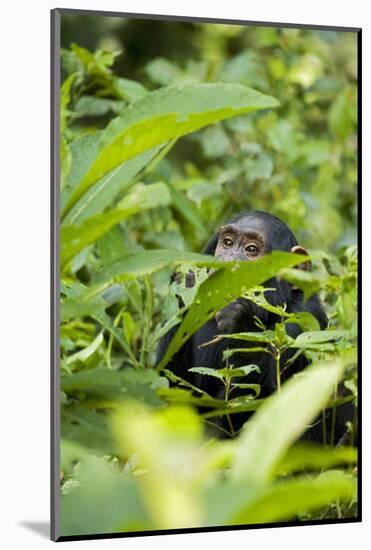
(223, 288)
(150, 261)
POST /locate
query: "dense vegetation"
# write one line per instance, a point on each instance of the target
(160, 142)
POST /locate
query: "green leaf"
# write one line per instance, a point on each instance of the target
(108, 384)
(146, 196)
(65, 98)
(245, 403)
(143, 197)
(207, 371)
(145, 263)
(307, 282)
(84, 302)
(188, 211)
(306, 320)
(239, 371)
(181, 395)
(249, 503)
(107, 189)
(92, 106)
(76, 237)
(83, 151)
(264, 336)
(283, 501)
(111, 246)
(130, 90)
(315, 457)
(163, 115)
(107, 501)
(129, 325)
(87, 352)
(163, 72)
(309, 339)
(281, 420)
(87, 427)
(234, 281)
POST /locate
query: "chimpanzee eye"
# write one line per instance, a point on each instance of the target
(228, 242)
(252, 250)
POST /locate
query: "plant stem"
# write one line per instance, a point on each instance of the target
(278, 369)
(147, 320)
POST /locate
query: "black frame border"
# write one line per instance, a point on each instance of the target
(55, 270)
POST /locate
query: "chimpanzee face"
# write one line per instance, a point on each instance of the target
(239, 242)
(253, 235)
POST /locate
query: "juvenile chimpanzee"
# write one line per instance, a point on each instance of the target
(248, 237)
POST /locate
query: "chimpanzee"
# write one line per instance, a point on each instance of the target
(248, 237)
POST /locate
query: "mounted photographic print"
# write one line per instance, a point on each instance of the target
(204, 278)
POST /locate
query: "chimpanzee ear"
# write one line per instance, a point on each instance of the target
(307, 266)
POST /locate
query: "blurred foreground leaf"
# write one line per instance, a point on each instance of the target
(263, 440)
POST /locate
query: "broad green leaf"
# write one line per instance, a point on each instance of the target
(71, 453)
(239, 371)
(306, 320)
(167, 442)
(165, 114)
(108, 384)
(234, 281)
(282, 419)
(84, 150)
(84, 302)
(130, 90)
(92, 106)
(207, 372)
(249, 503)
(76, 237)
(87, 427)
(161, 71)
(181, 395)
(315, 457)
(147, 196)
(111, 246)
(145, 263)
(106, 501)
(107, 189)
(143, 197)
(313, 338)
(283, 501)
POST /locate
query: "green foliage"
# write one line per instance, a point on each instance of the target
(234, 282)
(164, 115)
(158, 147)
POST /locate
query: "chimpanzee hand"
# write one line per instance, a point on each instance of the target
(232, 318)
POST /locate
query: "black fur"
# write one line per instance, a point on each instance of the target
(239, 317)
